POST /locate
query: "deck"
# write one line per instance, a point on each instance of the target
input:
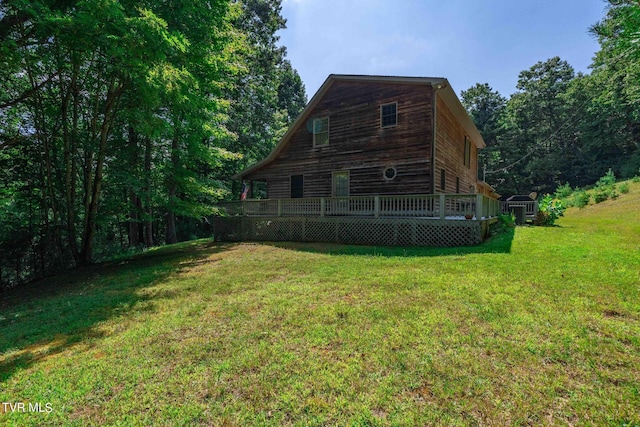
(429, 206)
(415, 220)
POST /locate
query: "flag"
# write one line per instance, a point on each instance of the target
(245, 191)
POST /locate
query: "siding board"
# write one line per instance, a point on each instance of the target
(357, 143)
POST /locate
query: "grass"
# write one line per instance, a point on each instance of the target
(536, 326)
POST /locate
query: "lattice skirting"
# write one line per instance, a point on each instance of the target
(361, 231)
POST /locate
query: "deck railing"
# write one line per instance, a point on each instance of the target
(441, 206)
(530, 207)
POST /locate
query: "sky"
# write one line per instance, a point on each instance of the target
(465, 41)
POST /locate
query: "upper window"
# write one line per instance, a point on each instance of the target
(389, 115)
(321, 131)
(467, 151)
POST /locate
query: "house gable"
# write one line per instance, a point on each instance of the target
(358, 142)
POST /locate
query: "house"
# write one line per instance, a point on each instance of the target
(373, 135)
(370, 160)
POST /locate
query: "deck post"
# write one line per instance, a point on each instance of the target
(322, 206)
(479, 206)
(442, 207)
(279, 207)
(376, 208)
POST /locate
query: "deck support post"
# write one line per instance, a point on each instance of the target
(376, 207)
(479, 198)
(279, 207)
(442, 207)
(322, 207)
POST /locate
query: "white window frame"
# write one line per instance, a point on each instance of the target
(395, 173)
(320, 119)
(333, 182)
(396, 115)
(466, 155)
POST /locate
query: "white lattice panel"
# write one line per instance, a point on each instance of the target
(364, 231)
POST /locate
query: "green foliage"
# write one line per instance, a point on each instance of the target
(580, 198)
(624, 188)
(549, 210)
(508, 220)
(605, 188)
(120, 119)
(505, 224)
(564, 191)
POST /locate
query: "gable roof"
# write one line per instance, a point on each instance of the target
(440, 83)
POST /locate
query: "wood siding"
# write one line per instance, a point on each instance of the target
(358, 144)
(450, 136)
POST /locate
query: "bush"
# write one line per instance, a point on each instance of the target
(563, 191)
(607, 180)
(605, 188)
(636, 179)
(624, 188)
(508, 220)
(549, 210)
(580, 198)
(600, 195)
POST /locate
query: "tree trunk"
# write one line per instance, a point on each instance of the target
(134, 223)
(94, 198)
(148, 222)
(171, 236)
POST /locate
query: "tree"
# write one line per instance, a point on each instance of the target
(617, 67)
(269, 93)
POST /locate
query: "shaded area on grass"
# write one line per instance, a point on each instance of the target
(499, 243)
(39, 320)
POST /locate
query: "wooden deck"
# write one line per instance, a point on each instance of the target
(434, 206)
(418, 220)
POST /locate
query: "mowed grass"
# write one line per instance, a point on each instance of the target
(540, 326)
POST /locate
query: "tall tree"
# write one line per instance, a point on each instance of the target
(617, 68)
(269, 93)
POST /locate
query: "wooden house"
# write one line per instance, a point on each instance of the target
(373, 135)
(371, 160)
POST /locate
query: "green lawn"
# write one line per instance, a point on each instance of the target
(540, 326)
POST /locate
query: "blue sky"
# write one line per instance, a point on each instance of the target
(466, 41)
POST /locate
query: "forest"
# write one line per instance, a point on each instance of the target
(121, 122)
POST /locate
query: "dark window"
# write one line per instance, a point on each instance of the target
(389, 115)
(443, 179)
(259, 189)
(390, 173)
(297, 186)
(457, 184)
(467, 151)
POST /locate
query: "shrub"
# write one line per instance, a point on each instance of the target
(636, 179)
(607, 180)
(549, 210)
(508, 220)
(624, 188)
(580, 198)
(563, 191)
(600, 195)
(605, 188)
